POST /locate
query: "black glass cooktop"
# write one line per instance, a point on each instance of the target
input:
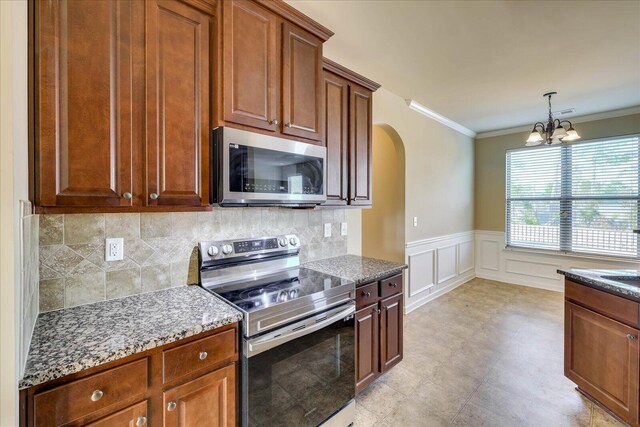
(278, 288)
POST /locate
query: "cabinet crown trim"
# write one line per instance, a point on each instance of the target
(295, 16)
(350, 75)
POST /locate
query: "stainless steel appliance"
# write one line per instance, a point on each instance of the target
(298, 360)
(252, 169)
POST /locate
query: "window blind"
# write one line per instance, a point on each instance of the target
(581, 197)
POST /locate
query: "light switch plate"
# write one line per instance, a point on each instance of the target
(114, 249)
(327, 230)
(343, 228)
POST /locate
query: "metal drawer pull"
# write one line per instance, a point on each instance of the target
(273, 122)
(395, 285)
(97, 395)
(203, 355)
(141, 421)
(153, 196)
(172, 406)
(366, 294)
(127, 195)
(288, 125)
(631, 337)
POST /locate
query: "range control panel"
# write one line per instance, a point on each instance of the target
(220, 249)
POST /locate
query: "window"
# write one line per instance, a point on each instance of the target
(581, 197)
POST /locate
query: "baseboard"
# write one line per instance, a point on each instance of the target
(532, 283)
(430, 297)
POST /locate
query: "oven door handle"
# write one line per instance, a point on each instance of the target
(258, 345)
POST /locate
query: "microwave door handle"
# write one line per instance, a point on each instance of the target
(258, 345)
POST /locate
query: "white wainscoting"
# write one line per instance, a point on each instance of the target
(436, 266)
(535, 269)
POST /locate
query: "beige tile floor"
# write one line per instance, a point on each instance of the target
(485, 354)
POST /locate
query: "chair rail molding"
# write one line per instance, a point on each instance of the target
(436, 266)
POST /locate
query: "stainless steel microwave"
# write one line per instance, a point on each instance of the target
(252, 169)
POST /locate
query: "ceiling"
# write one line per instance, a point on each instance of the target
(486, 64)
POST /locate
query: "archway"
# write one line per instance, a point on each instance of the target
(383, 226)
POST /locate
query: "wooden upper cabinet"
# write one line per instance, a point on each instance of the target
(602, 357)
(178, 104)
(208, 400)
(360, 145)
(86, 91)
(250, 61)
(336, 137)
(302, 108)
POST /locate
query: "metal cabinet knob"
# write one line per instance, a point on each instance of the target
(395, 285)
(203, 355)
(631, 337)
(97, 395)
(366, 294)
(288, 125)
(153, 196)
(274, 122)
(127, 195)
(140, 421)
(172, 406)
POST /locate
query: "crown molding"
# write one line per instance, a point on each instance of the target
(579, 119)
(348, 74)
(416, 106)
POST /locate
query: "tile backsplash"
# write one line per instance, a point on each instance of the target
(159, 248)
(28, 277)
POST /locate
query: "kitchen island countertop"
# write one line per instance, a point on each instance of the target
(78, 338)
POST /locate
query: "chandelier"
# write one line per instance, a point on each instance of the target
(554, 132)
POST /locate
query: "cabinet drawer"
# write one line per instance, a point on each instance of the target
(135, 415)
(367, 294)
(79, 398)
(209, 351)
(618, 308)
(391, 286)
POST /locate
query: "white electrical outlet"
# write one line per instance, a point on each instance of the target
(415, 221)
(343, 229)
(327, 230)
(114, 249)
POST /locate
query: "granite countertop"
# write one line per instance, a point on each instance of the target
(74, 339)
(356, 268)
(611, 283)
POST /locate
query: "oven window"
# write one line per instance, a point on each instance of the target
(304, 381)
(258, 170)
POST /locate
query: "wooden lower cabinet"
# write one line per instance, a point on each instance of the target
(390, 332)
(602, 358)
(378, 330)
(135, 392)
(135, 415)
(206, 401)
(367, 354)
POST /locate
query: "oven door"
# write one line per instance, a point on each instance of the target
(261, 169)
(302, 374)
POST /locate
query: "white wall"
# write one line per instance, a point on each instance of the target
(13, 187)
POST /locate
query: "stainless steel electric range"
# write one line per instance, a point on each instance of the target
(298, 360)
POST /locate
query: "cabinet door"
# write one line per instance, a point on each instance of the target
(250, 62)
(85, 100)
(336, 137)
(367, 350)
(390, 332)
(360, 134)
(178, 104)
(135, 415)
(301, 83)
(206, 401)
(601, 357)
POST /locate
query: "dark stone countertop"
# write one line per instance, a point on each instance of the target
(78, 338)
(606, 280)
(356, 268)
